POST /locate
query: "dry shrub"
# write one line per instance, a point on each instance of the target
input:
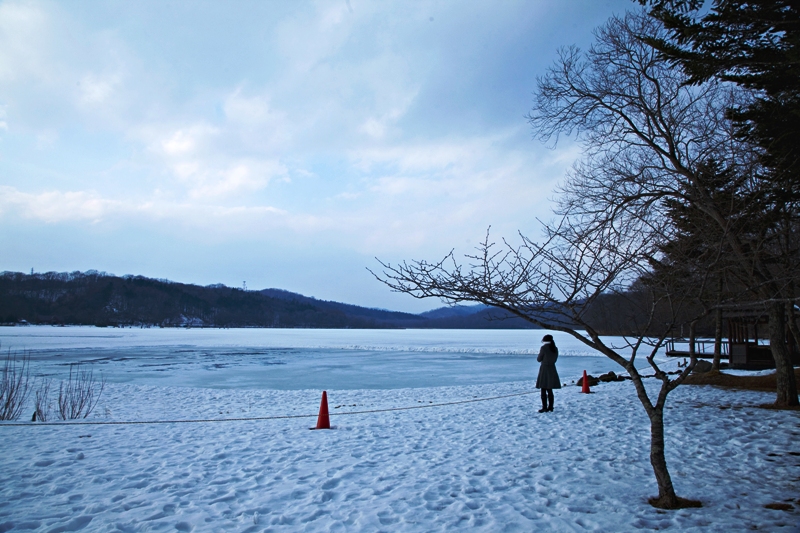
(78, 396)
(41, 401)
(14, 386)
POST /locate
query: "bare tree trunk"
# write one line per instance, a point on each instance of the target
(793, 324)
(666, 499)
(784, 371)
(717, 339)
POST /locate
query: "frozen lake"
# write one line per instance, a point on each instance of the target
(297, 359)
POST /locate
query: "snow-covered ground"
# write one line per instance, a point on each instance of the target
(494, 465)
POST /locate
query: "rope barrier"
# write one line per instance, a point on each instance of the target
(280, 417)
(258, 418)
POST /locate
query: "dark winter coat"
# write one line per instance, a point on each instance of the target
(548, 377)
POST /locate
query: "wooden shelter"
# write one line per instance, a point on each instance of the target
(745, 348)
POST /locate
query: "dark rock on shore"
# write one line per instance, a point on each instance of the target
(701, 367)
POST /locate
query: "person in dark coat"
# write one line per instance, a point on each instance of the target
(548, 377)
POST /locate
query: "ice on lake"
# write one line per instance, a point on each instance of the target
(296, 359)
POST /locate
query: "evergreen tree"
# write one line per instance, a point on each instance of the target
(756, 45)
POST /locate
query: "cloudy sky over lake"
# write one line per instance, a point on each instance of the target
(285, 144)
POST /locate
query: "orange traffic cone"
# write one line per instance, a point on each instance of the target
(585, 387)
(323, 420)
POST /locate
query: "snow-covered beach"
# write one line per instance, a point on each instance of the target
(493, 465)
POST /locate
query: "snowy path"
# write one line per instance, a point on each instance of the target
(486, 466)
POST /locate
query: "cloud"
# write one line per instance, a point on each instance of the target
(435, 195)
(246, 110)
(377, 126)
(196, 156)
(187, 140)
(50, 60)
(254, 125)
(241, 177)
(24, 28)
(309, 38)
(56, 206)
(97, 89)
(52, 207)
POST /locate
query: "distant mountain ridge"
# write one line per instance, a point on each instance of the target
(349, 309)
(102, 299)
(454, 311)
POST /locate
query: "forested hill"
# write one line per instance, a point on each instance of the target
(101, 299)
(97, 298)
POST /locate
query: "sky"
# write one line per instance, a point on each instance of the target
(281, 144)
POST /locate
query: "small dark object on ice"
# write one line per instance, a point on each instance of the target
(780, 506)
(33, 418)
(591, 379)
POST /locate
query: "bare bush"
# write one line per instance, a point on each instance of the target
(41, 401)
(14, 386)
(78, 396)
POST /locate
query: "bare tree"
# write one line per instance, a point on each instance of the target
(78, 396)
(553, 285)
(14, 386)
(645, 134)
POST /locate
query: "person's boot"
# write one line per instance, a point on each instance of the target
(543, 409)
